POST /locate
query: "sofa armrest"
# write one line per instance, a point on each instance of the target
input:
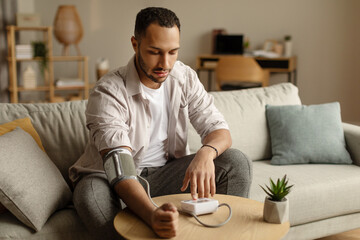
(352, 138)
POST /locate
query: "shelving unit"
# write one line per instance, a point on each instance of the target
(49, 84)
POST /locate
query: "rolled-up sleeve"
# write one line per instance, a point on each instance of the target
(203, 114)
(107, 116)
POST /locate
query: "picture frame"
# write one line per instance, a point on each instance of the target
(269, 45)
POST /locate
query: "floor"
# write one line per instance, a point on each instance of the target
(351, 235)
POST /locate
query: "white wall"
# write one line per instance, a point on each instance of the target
(326, 37)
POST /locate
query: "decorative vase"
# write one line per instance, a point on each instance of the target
(288, 49)
(29, 78)
(68, 28)
(276, 212)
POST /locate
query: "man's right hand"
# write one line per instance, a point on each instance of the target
(165, 220)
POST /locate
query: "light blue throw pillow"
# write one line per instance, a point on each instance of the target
(307, 134)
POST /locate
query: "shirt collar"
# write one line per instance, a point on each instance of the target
(133, 85)
(177, 74)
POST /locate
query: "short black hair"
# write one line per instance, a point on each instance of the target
(162, 16)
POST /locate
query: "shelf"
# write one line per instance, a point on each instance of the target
(16, 28)
(53, 58)
(49, 76)
(37, 89)
(10, 59)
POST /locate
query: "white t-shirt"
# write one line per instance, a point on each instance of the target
(159, 109)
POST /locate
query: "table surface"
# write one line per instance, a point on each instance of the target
(246, 222)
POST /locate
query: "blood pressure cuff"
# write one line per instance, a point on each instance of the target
(119, 165)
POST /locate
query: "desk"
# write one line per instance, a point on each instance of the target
(274, 65)
(246, 222)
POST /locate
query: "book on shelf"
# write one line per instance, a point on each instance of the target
(69, 82)
(24, 51)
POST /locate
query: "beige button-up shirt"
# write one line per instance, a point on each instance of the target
(118, 114)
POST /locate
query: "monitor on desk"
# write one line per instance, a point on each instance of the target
(229, 44)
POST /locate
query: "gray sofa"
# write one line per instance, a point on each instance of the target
(324, 201)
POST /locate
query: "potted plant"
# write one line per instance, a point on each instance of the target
(276, 206)
(40, 50)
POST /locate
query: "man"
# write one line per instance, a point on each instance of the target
(143, 108)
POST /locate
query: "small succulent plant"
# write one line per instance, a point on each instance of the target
(278, 191)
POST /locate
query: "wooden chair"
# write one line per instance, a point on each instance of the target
(240, 72)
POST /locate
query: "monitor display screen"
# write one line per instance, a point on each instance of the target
(229, 44)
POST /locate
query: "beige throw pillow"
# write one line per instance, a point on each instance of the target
(31, 186)
(26, 125)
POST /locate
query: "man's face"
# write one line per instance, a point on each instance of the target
(156, 54)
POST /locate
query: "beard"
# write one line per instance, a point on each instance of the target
(144, 68)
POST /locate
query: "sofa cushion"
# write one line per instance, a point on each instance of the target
(31, 187)
(63, 224)
(61, 127)
(307, 134)
(320, 191)
(25, 124)
(244, 111)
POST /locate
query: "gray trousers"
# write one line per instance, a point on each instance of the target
(97, 204)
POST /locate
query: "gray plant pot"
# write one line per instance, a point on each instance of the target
(276, 212)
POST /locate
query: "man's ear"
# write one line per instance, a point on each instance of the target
(134, 43)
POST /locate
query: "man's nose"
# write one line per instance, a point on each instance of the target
(164, 61)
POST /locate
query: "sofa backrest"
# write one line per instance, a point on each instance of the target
(61, 127)
(244, 110)
(63, 132)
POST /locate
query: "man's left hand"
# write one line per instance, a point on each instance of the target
(201, 174)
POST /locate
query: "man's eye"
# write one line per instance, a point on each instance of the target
(173, 52)
(154, 53)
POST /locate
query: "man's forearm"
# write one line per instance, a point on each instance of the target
(135, 197)
(163, 220)
(219, 139)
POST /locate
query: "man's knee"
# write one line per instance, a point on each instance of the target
(96, 205)
(235, 168)
(89, 191)
(238, 162)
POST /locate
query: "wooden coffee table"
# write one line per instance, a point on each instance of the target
(246, 222)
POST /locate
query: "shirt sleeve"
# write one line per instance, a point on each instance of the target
(107, 115)
(203, 114)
